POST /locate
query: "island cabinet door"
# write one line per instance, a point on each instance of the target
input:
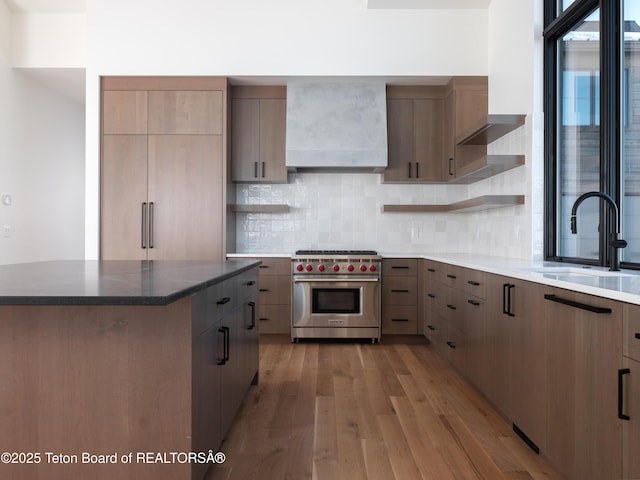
(584, 336)
(206, 422)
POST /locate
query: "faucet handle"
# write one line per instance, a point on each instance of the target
(618, 243)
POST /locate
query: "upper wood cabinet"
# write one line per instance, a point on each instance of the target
(414, 134)
(163, 186)
(258, 122)
(465, 104)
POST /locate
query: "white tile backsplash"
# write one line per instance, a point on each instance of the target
(344, 211)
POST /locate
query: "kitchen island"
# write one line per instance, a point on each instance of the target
(122, 369)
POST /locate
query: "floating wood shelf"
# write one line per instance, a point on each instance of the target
(487, 166)
(486, 202)
(490, 129)
(272, 208)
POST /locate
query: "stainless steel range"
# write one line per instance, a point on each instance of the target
(336, 294)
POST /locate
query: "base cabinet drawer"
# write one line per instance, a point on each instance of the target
(274, 318)
(400, 319)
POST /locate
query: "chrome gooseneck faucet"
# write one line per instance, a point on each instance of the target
(615, 243)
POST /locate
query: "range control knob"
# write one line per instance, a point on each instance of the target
(308, 268)
(321, 268)
(299, 268)
(336, 268)
(372, 268)
(363, 268)
(350, 268)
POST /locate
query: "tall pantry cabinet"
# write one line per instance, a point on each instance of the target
(163, 168)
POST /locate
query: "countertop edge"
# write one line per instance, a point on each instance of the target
(125, 300)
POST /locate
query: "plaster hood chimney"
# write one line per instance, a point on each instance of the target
(336, 127)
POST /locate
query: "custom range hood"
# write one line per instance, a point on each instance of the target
(336, 127)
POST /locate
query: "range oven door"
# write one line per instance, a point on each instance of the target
(336, 301)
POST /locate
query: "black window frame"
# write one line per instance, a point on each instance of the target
(558, 23)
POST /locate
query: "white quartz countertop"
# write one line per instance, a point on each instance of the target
(623, 286)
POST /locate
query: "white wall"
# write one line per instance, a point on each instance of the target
(258, 38)
(42, 168)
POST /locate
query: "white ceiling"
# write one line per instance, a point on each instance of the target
(80, 6)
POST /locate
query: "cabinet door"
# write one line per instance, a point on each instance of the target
(528, 359)
(498, 345)
(185, 207)
(124, 112)
(449, 140)
(428, 139)
(400, 141)
(631, 427)
(206, 419)
(124, 197)
(273, 112)
(584, 436)
(245, 139)
(186, 112)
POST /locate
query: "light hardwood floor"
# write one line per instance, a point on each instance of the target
(331, 411)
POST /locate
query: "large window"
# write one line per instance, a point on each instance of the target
(592, 126)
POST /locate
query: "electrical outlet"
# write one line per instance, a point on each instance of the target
(415, 232)
(6, 231)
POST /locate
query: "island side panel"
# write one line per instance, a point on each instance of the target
(99, 380)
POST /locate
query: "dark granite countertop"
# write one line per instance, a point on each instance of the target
(111, 282)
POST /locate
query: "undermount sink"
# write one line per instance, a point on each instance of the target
(581, 271)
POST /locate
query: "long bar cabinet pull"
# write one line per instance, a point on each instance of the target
(225, 332)
(506, 299)
(255, 169)
(253, 315)
(451, 276)
(143, 223)
(451, 345)
(621, 373)
(417, 169)
(572, 303)
(263, 170)
(151, 209)
(409, 164)
(473, 283)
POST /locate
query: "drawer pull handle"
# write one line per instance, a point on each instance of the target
(399, 291)
(432, 270)
(638, 336)
(250, 283)
(263, 290)
(431, 295)
(263, 319)
(451, 307)
(263, 266)
(451, 345)
(399, 319)
(431, 327)
(451, 276)
(475, 303)
(621, 373)
(224, 300)
(581, 306)
(474, 283)
(405, 267)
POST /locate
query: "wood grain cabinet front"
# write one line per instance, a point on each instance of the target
(400, 296)
(414, 134)
(258, 138)
(274, 314)
(629, 383)
(162, 176)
